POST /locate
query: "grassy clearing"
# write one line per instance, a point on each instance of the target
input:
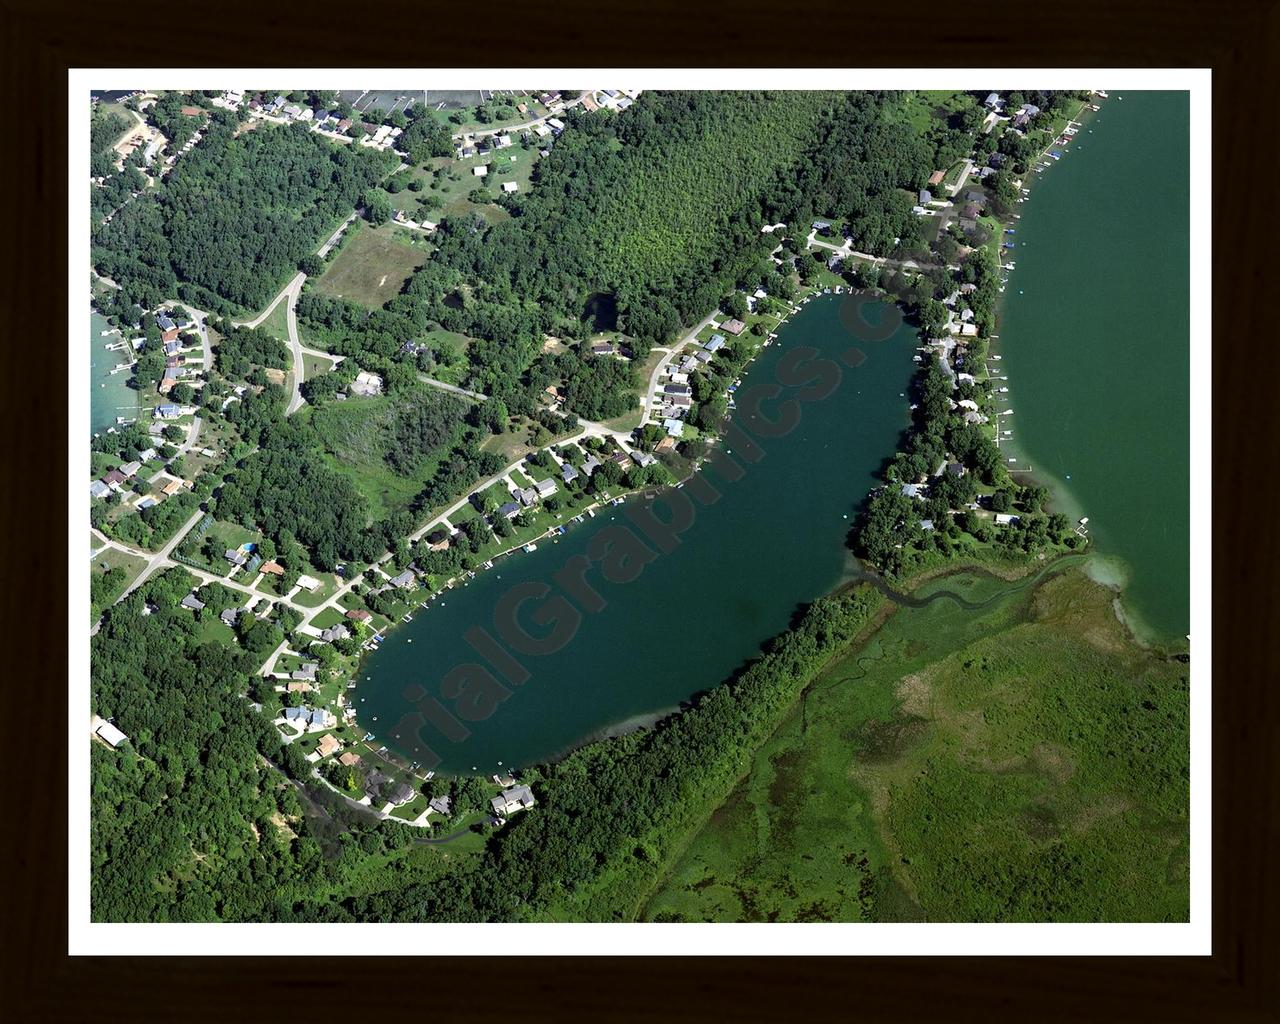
(1021, 761)
(371, 268)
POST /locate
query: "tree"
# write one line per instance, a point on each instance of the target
(377, 207)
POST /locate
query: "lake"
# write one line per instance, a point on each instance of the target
(671, 623)
(110, 394)
(1095, 339)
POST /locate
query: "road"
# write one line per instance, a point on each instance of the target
(652, 390)
(452, 388)
(507, 129)
(161, 557)
(290, 293)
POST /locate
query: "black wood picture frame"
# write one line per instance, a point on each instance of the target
(1240, 981)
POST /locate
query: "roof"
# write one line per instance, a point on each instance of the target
(545, 487)
(514, 798)
(229, 615)
(405, 579)
(359, 615)
(509, 508)
(568, 472)
(192, 602)
(440, 804)
(715, 344)
(734, 326)
(111, 734)
(98, 489)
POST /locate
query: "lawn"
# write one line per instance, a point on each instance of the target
(328, 617)
(103, 562)
(1022, 760)
(371, 268)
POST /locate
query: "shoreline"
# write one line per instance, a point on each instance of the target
(391, 757)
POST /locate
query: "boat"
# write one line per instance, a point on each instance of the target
(531, 547)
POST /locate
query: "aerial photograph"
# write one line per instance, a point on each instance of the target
(636, 505)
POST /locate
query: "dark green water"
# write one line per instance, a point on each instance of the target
(1096, 342)
(110, 395)
(774, 540)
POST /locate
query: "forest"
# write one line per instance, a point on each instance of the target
(229, 223)
(639, 223)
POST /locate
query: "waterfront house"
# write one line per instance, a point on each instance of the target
(568, 473)
(299, 715)
(321, 718)
(440, 805)
(333, 633)
(328, 744)
(517, 798)
(668, 443)
(715, 344)
(359, 615)
(528, 496)
(305, 673)
(591, 465)
(298, 687)
(350, 759)
(229, 616)
(401, 794)
(733, 326)
(913, 490)
(545, 488)
(676, 389)
(703, 356)
(167, 412)
(509, 510)
(673, 427)
(405, 580)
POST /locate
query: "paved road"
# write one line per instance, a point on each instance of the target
(161, 557)
(652, 390)
(290, 293)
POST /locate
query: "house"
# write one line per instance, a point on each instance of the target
(192, 602)
(298, 687)
(300, 715)
(509, 187)
(308, 583)
(359, 615)
(405, 580)
(108, 733)
(555, 124)
(676, 389)
(703, 356)
(734, 327)
(333, 633)
(167, 412)
(926, 524)
(822, 225)
(1005, 520)
(591, 465)
(913, 490)
(569, 473)
(350, 759)
(602, 348)
(936, 177)
(674, 428)
(926, 197)
(306, 672)
(527, 496)
(440, 805)
(715, 344)
(680, 401)
(1021, 121)
(402, 794)
(229, 616)
(668, 443)
(643, 458)
(272, 568)
(367, 384)
(147, 456)
(545, 488)
(517, 798)
(235, 556)
(541, 130)
(147, 503)
(328, 745)
(992, 101)
(98, 489)
(970, 211)
(172, 487)
(509, 509)
(164, 322)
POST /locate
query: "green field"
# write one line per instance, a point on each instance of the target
(371, 268)
(358, 436)
(1024, 761)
